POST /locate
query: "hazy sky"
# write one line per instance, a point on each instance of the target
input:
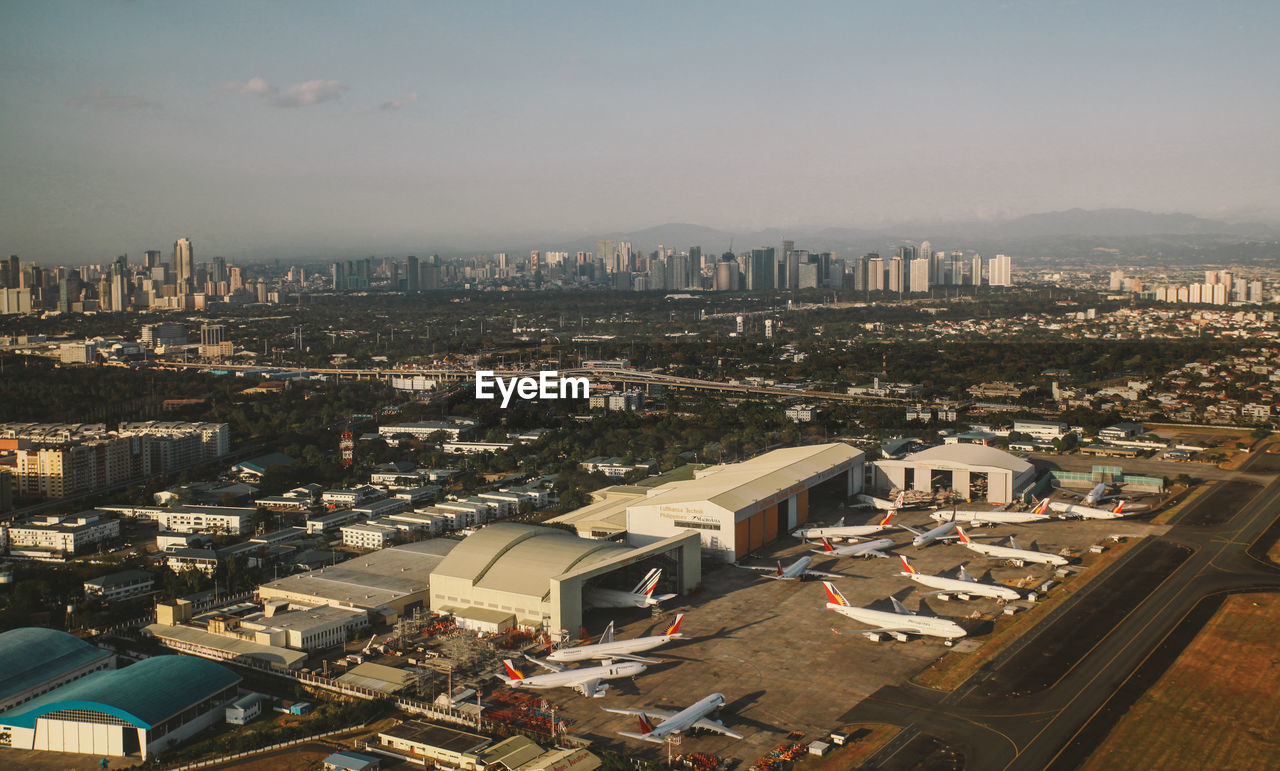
(252, 125)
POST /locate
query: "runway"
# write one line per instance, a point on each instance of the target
(1049, 699)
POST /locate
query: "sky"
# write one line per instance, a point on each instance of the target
(261, 127)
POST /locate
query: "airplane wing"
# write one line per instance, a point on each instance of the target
(658, 713)
(629, 657)
(707, 724)
(823, 574)
(885, 629)
(592, 687)
(545, 664)
(769, 572)
(912, 529)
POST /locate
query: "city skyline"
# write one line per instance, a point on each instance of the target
(256, 128)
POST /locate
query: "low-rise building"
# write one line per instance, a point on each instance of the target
(61, 534)
(230, 520)
(475, 448)
(119, 586)
(204, 560)
(368, 535)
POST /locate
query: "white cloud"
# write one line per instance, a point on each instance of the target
(396, 104)
(107, 101)
(298, 95)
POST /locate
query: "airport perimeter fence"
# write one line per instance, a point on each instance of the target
(261, 750)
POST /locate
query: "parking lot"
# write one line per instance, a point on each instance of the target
(769, 645)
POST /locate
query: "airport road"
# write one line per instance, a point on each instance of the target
(1007, 716)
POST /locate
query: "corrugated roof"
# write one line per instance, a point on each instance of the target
(735, 486)
(972, 455)
(521, 559)
(283, 657)
(145, 694)
(373, 579)
(30, 656)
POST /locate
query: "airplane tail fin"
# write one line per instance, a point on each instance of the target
(900, 500)
(887, 518)
(964, 574)
(644, 582)
(899, 608)
(906, 566)
(779, 568)
(651, 582)
(963, 538)
(674, 629)
(646, 727)
(826, 546)
(833, 594)
(839, 522)
(1119, 508)
(1042, 507)
(512, 672)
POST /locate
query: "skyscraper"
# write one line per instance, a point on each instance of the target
(413, 275)
(920, 274)
(789, 262)
(761, 270)
(977, 269)
(875, 273)
(1000, 271)
(184, 265)
(897, 273)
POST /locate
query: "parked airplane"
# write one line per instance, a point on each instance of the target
(942, 532)
(585, 680)
(796, 570)
(1010, 552)
(897, 623)
(1087, 512)
(883, 503)
(961, 587)
(997, 517)
(640, 597)
(1093, 497)
(841, 530)
(866, 549)
(619, 649)
(693, 716)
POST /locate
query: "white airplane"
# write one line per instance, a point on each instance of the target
(841, 530)
(640, 597)
(796, 570)
(866, 549)
(1093, 497)
(976, 518)
(1010, 552)
(897, 623)
(942, 532)
(608, 648)
(961, 587)
(1087, 512)
(585, 680)
(884, 504)
(692, 716)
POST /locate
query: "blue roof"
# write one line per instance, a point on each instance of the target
(30, 656)
(144, 695)
(350, 760)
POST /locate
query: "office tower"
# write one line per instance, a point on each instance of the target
(184, 265)
(726, 274)
(926, 250)
(906, 252)
(977, 269)
(1255, 292)
(807, 275)
(14, 278)
(957, 268)
(338, 273)
(761, 270)
(1115, 280)
(413, 275)
(535, 261)
(608, 251)
(1211, 277)
(919, 281)
(236, 281)
(679, 267)
(897, 273)
(790, 266)
(1000, 271)
(151, 258)
(875, 273)
(211, 334)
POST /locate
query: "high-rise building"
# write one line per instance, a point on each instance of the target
(151, 258)
(761, 270)
(413, 275)
(1115, 280)
(790, 266)
(727, 274)
(13, 279)
(977, 269)
(1000, 271)
(897, 273)
(184, 265)
(957, 268)
(920, 274)
(875, 273)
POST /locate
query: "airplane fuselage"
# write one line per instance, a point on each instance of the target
(843, 531)
(928, 537)
(923, 625)
(963, 587)
(989, 517)
(1086, 512)
(610, 650)
(861, 549)
(570, 678)
(1010, 553)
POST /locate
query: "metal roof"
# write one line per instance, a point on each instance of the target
(976, 455)
(736, 486)
(145, 694)
(232, 646)
(30, 656)
(522, 559)
(372, 579)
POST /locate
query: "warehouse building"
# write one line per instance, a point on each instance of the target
(34, 661)
(738, 507)
(135, 711)
(973, 471)
(532, 576)
(391, 581)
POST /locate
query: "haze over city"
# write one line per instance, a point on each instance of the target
(256, 128)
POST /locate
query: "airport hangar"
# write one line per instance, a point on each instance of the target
(959, 467)
(533, 576)
(137, 710)
(735, 508)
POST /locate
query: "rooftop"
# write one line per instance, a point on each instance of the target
(373, 579)
(972, 455)
(119, 579)
(446, 739)
(31, 655)
(522, 559)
